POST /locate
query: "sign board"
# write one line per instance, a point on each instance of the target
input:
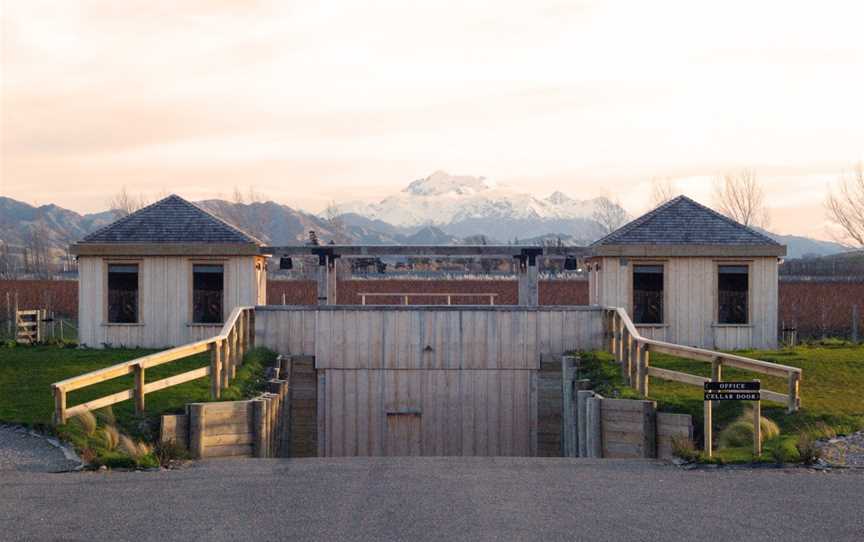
(733, 386)
(732, 391)
(732, 396)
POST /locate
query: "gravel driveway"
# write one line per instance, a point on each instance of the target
(26, 451)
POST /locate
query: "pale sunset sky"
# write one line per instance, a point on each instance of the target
(314, 101)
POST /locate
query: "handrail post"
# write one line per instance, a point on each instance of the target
(139, 389)
(794, 400)
(252, 328)
(226, 362)
(716, 370)
(59, 405)
(234, 352)
(215, 371)
(644, 363)
(757, 427)
(708, 444)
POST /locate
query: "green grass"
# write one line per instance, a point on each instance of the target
(832, 392)
(26, 375)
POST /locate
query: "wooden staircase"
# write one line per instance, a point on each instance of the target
(549, 400)
(303, 419)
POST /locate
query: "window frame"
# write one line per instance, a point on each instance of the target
(737, 263)
(106, 265)
(633, 263)
(191, 312)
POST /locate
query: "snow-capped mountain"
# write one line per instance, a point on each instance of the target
(446, 200)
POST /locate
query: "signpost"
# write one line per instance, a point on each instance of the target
(734, 391)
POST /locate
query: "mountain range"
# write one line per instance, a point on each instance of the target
(438, 209)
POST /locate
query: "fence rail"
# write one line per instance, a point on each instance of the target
(632, 351)
(406, 296)
(226, 353)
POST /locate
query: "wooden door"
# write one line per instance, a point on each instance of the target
(403, 433)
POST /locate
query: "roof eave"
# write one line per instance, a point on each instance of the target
(165, 249)
(719, 251)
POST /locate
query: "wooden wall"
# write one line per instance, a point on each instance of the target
(165, 291)
(438, 412)
(428, 337)
(431, 380)
(691, 300)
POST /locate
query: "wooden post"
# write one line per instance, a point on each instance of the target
(594, 429)
(259, 422)
(251, 328)
(226, 363)
(215, 371)
(235, 354)
(611, 329)
(59, 406)
(632, 353)
(139, 389)
(582, 397)
(716, 372)
(642, 377)
(709, 441)
(793, 391)
(757, 427)
(568, 440)
(197, 423)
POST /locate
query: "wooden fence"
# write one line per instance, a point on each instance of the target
(226, 353)
(633, 351)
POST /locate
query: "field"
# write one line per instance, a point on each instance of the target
(831, 390)
(26, 375)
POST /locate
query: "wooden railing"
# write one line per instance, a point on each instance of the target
(226, 353)
(633, 351)
(449, 296)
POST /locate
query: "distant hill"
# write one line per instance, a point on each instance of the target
(805, 247)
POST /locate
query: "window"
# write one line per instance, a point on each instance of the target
(733, 286)
(207, 288)
(122, 293)
(648, 294)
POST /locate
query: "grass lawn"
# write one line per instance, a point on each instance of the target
(832, 390)
(27, 372)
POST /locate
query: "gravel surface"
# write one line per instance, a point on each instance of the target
(847, 451)
(450, 498)
(24, 450)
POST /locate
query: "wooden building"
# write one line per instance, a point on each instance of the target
(165, 275)
(688, 275)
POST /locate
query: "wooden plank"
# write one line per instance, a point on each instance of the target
(623, 404)
(227, 439)
(177, 379)
(96, 404)
(676, 376)
(234, 450)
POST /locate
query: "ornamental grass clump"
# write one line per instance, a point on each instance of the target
(87, 422)
(740, 432)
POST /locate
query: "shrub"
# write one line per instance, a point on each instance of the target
(164, 452)
(808, 452)
(684, 448)
(106, 416)
(785, 451)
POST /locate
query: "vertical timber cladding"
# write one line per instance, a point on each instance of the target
(431, 380)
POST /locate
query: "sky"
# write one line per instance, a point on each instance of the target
(310, 102)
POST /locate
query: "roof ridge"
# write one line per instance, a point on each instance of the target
(636, 222)
(732, 221)
(124, 219)
(221, 220)
(617, 235)
(207, 216)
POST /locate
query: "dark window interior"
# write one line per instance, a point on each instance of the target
(648, 294)
(207, 289)
(733, 285)
(122, 293)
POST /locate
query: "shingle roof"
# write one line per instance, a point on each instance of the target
(171, 220)
(682, 221)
